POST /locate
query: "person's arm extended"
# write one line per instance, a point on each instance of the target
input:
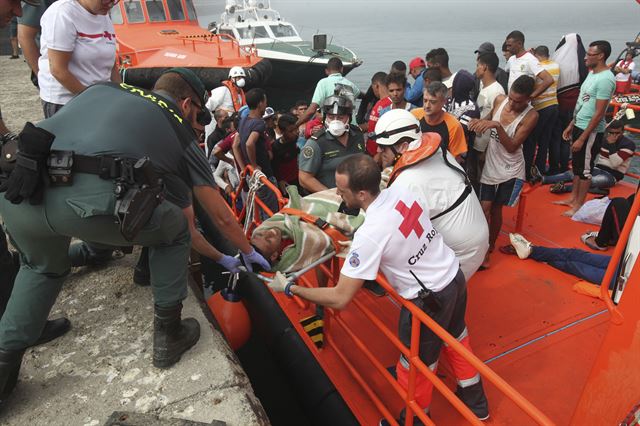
(337, 297)
(198, 242)
(217, 209)
(307, 114)
(115, 73)
(251, 149)
(547, 80)
(222, 156)
(237, 153)
(309, 182)
(601, 108)
(27, 39)
(59, 66)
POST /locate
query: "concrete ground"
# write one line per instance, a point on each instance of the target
(104, 363)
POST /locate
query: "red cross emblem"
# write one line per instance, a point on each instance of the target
(411, 220)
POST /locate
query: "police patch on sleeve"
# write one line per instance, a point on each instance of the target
(354, 261)
(307, 152)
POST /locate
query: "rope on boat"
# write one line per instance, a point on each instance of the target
(255, 183)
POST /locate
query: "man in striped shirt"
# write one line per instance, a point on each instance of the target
(546, 104)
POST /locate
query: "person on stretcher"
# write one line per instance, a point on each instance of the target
(292, 238)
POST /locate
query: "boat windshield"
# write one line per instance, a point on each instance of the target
(191, 11)
(283, 30)
(155, 9)
(252, 32)
(116, 15)
(175, 10)
(133, 9)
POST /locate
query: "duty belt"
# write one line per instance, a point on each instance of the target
(62, 165)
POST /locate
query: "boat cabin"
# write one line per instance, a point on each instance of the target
(152, 11)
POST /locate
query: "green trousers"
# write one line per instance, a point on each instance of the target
(84, 210)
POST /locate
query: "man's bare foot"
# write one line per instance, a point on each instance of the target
(570, 212)
(485, 263)
(567, 202)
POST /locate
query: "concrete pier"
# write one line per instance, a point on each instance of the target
(103, 364)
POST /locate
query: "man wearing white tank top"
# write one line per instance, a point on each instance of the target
(512, 120)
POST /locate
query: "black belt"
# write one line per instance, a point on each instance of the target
(107, 167)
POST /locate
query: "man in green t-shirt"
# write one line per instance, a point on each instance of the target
(586, 130)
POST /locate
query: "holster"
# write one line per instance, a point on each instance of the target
(9, 151)
(136, 204)
(59, 166)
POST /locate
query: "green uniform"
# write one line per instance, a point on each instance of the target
(115, 120)
(322, 153)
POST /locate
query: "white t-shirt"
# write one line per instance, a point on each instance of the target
(622, 64)
(397, 237)
(501, 165)
(485, 100)
(527, 64)
(449, 80)
(465, 228)
(69, 27)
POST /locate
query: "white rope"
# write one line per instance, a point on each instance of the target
(254, 184)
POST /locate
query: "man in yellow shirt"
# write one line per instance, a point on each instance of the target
(433, 118)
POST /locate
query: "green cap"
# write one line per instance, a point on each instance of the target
(197, 85)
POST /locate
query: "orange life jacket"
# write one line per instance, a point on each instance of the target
(337, 235)
(236, 93)
(428, 146)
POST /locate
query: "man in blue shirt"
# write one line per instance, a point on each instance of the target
(413, 92)
(326, 87)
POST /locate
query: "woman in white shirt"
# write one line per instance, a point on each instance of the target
(78, 49)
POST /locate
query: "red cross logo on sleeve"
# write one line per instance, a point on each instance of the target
(411, 220)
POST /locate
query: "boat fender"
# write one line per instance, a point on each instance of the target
(230, 312)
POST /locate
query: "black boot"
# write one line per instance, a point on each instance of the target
(171, 336)
(9, 368)
(474, 397)
(52, 330)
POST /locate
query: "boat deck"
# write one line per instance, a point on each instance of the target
(524, 319)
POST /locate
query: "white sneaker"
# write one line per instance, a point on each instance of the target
(521, 244)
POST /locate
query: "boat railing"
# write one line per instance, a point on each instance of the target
(208, 38)
(419, 318)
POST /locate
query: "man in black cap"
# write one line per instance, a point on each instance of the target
(501, 75)
(119, 185)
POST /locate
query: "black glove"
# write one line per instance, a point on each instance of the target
(30, 176)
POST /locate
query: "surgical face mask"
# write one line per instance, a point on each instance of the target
(240, 82)
(336, 127)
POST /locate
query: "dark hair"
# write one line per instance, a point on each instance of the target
(438, 56)
(490, 59)
(363, 173)
(542, 51)
(516, 35)
(437, 88)
(399, 66)
(285, 121)
(235, 118)
(396, 78)
(523, 85)
(301, 103)
(432, 74)
(616, 124)
(334, 64)
(379, 77)
(254, 97)
(603, 46)
(504, 47)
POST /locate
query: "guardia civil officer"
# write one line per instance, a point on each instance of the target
(323, 152)
(122, 164)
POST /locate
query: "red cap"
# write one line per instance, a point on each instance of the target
(416, 62)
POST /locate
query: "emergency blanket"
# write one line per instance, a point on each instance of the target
(309, 241)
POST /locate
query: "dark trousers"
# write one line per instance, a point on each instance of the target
(547, 118)
(583, 264)
(559, 149)
(613, 220)
(8, 271)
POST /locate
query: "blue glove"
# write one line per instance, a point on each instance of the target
(230, 263)
(255, 257)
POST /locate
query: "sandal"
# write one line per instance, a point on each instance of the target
(587, 240)
(557, 188)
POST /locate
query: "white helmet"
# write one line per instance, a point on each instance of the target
(395, 125)
(236, 72)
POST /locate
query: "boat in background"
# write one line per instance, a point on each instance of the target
(297, 64)
(154, 35)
